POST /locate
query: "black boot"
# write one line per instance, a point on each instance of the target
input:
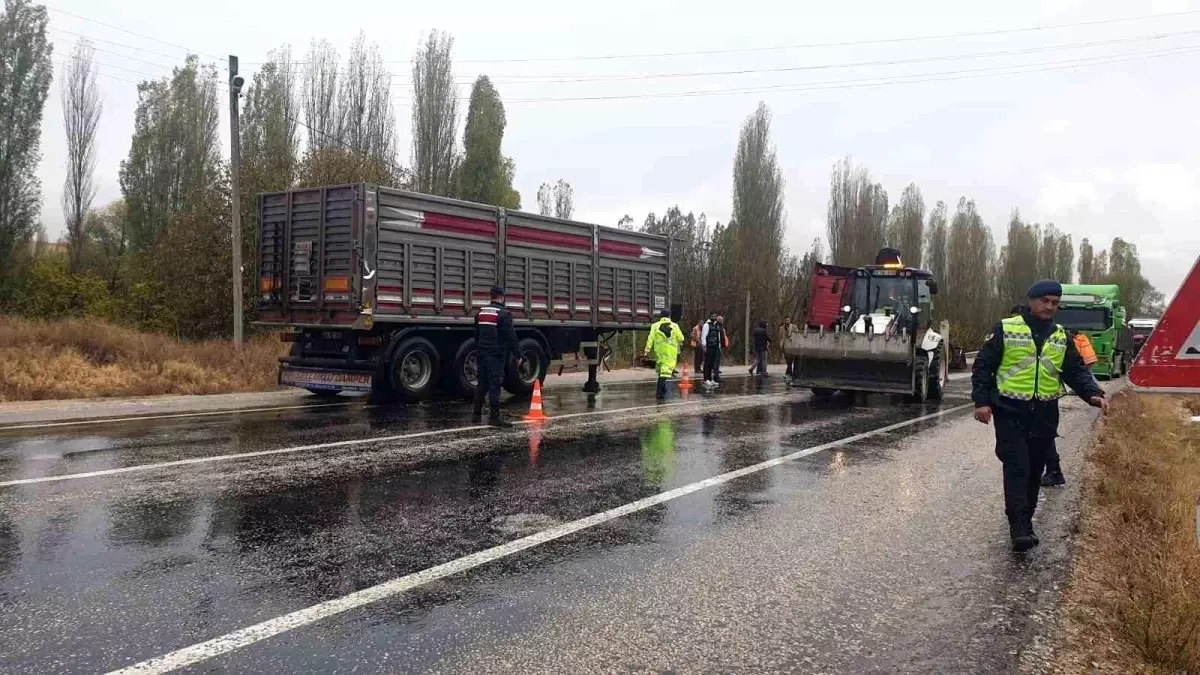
(1023, 537)
(1053, 478)
(477, 410)
(495, 421)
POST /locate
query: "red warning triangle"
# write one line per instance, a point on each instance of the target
(1170, 359)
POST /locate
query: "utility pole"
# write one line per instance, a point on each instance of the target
(235, 165)
(747, 343)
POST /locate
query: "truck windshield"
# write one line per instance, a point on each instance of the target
(894, 294)
(1082, 318)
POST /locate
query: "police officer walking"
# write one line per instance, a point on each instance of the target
(1017, 380)
(495, 340)
(665, 340)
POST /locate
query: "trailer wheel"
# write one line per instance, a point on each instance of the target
(518, 380)
(465, 371)
(413, 370)
(324, 393)
(823, 392)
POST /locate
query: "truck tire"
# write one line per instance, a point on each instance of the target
(823, 392)
(464, 373)
(413, 370)
(520, 383)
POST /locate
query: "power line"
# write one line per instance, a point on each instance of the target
(817, 45)
(65, 65)
(829, 66)
(126, 30)
(91, 38)
(898, 79)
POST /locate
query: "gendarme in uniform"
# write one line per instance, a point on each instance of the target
(495, 340)
(1017, 379)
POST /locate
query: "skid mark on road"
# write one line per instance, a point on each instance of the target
(310, 615)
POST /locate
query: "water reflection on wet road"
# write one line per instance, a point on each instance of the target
(102, 572)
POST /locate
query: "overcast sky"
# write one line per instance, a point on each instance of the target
(1097, 132)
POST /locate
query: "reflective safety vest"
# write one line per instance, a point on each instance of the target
(1084, 346)
(1024, 373)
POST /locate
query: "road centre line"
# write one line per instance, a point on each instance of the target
(344, 444)
(251, 634)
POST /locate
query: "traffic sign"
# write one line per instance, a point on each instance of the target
(1170, 360)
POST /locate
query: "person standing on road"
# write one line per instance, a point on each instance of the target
(712, 337)
(786, 330)
(762, 342)
(1018, 378)
(665, 340)
(698, 347)
(495, 340)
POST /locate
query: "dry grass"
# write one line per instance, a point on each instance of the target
(87, 359)
(1134, 601)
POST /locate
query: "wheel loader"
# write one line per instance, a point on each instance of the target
(870, 329)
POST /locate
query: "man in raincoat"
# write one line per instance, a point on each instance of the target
(665, 340)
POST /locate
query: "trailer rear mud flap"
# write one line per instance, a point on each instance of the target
(325, 380)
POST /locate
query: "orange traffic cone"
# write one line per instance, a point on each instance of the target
(684, 383)
(535, 406)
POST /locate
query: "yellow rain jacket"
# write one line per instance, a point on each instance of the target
(665, 340)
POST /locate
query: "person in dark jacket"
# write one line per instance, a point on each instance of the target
(762, 341)
(1017, 380)
(712, 336)
(495, 340)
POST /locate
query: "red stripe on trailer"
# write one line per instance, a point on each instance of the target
(620, 248)
(441, 222)
(562, 239)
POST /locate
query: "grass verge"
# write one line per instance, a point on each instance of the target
(1133, 605)
(86, 359)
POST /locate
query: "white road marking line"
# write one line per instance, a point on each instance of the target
(298, 619)
(135, 418)
(336, 444)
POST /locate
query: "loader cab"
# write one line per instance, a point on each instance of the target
(890, 291)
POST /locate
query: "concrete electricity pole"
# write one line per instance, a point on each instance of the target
(747, 339)
(235, 166)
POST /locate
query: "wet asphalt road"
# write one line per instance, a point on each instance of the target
(885, 555)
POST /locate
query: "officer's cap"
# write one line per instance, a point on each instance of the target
(497, 290)
(1041, 289)
(666, 314)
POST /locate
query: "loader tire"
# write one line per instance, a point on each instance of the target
(936, 390)
(921, 378)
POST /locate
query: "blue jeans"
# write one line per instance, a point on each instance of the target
(762, 362)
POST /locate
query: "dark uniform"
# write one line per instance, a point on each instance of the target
(713, 339)
(1026, 427)
(495, 339)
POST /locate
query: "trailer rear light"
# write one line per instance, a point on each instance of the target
(267, 284)
(337, 284)
(371, 340)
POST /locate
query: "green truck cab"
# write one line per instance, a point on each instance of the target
(1096, 311)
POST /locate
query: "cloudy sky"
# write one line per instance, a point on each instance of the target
(1088, 122)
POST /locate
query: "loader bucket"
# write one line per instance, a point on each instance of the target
(852, 361)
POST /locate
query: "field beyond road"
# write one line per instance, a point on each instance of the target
(83, 358)
(1133, 605)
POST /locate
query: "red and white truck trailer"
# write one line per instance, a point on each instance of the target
(377, 288)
